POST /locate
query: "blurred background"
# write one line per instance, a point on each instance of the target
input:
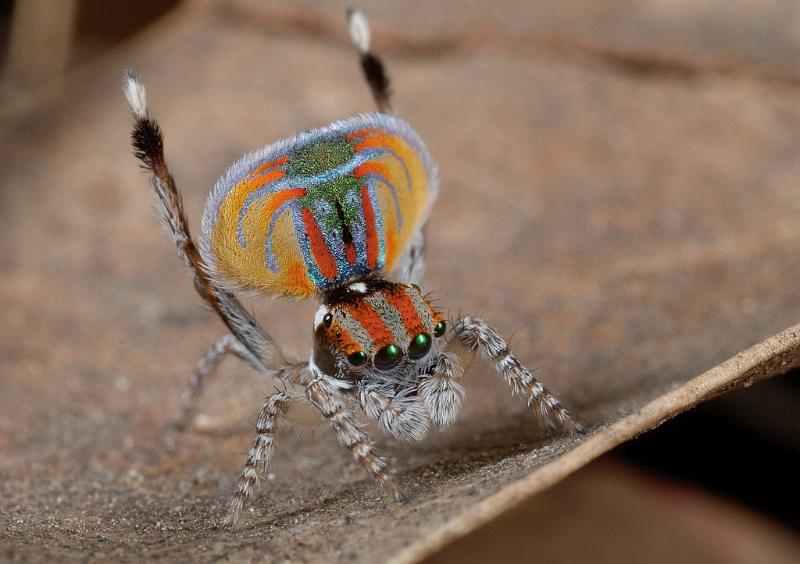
(689, 149)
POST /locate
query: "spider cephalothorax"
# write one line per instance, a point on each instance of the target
(374, 324)
(383, 340)
(337, 213)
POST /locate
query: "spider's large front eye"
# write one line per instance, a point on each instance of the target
(357, 358)
(419, 346)
(388, 357)
(440, 328)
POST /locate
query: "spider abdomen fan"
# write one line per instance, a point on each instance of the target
(320, 209)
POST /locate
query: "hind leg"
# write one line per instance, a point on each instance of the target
(205, 369)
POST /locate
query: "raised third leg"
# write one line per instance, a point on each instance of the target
(205, 369)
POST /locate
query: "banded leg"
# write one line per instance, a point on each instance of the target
(400, 415)
(331, 405)
(441, 391)
(148, 147)
(205, 369)
(371, 65)
(259, 455)
(476, 334)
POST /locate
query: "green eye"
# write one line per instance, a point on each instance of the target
(357, 358)
(440, 328)
(388, 357)
(420, 345)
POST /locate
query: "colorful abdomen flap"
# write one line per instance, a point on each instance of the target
(320, 209)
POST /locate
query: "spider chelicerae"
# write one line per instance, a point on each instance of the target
(337, 213)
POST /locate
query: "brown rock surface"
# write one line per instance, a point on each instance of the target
(631, 229)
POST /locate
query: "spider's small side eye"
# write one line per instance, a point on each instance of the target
(327, 320)
(388, 357)
(419, 346)
(440, 328)
(357, 358)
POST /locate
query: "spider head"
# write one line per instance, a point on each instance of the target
(374, 325)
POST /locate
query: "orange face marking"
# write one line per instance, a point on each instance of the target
(399, 299)
(341, 339)
(379, 333)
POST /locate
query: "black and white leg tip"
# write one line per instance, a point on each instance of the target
(358, 26)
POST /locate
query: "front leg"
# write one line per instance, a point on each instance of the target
(475, 334)
(331, 405)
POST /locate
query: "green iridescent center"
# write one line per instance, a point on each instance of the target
(330, 201)
(319, 156)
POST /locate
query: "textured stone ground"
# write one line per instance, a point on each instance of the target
(619, 192)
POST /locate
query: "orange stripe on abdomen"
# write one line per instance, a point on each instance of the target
(363, 133)
(266, 166)
(320, 251)
(371, 168)
(350, 253)
(271, 176)
(371, 227)
(276, 200)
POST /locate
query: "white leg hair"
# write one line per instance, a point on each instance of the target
(331, 405)
(441, 391)
(258, 457)
(476, 334)
(400, 415)
(324, 400)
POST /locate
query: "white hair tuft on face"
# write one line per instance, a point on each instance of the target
(134, 92)
(359, 287)
(359, 29)
(320, 316)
